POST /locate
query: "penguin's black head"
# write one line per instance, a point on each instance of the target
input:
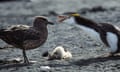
(68, 17)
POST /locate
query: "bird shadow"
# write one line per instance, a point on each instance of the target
(81, 62)
(58, 65)
(86, 62)
(4, 64)
(7, 66)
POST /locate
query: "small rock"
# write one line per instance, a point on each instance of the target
(45, 68)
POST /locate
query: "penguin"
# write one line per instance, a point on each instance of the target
(106, 33)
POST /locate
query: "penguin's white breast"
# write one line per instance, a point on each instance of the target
(91, 32)
(112, 41)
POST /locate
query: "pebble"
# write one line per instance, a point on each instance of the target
(45, 68)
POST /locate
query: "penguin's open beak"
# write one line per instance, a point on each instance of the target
(61, 18)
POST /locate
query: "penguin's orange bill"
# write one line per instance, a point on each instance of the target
(61, 18)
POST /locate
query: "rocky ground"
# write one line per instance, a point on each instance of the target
(83, 48)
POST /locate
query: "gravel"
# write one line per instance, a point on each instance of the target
(83, 48)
